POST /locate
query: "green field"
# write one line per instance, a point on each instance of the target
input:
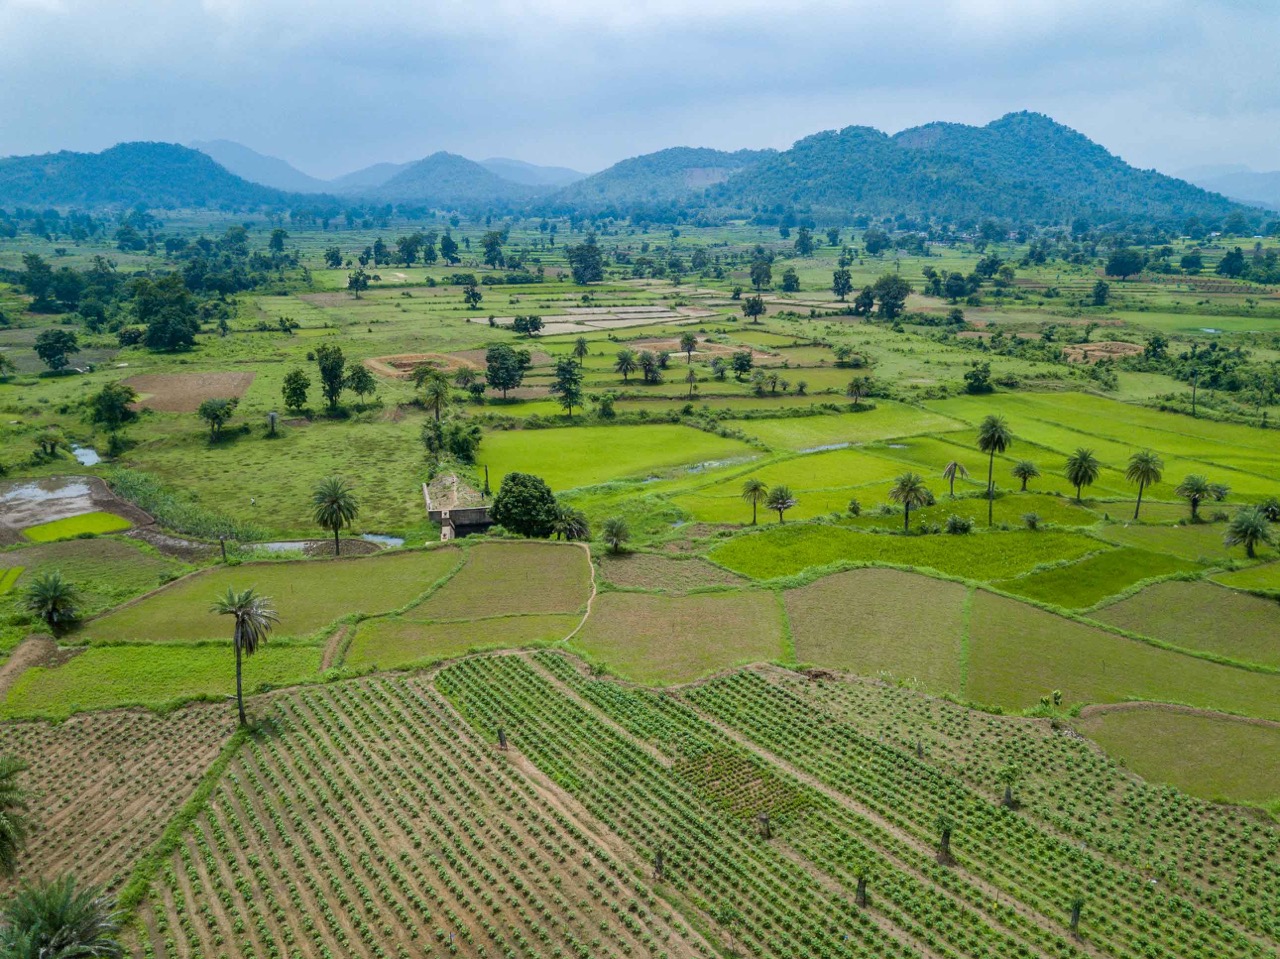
(509, 578)
(393, 642)
(1090, 580)
(86, 524)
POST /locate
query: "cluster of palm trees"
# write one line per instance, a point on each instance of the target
(54, 918)
(778, 498)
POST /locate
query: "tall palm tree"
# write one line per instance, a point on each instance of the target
(950, 472)
(1025, 470)
(254, 617)
(1146, 468)
(754, 491)
(909, 491)
(53, 599)
(1195, 489)
(436, 395)
(581, 349)
(1249, 528)
(335, 507)
(1082, 469)
(626, 363)
(993, 437)
(53, 919)
(780, 500)
(14, 825)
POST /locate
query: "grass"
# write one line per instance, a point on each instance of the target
(667, 573)
(873, 621)
(665, 639)
(787, 550)
(589, 455)
(1090, 580)
(307, 595)
(8, 577)
(886, 421)
(1201, 542)
(1213, 757)
(394, 641)
(1019, 653)
(1202, 616)
(73, 526)
(151, 676)
(1262, 579)
(507, 578)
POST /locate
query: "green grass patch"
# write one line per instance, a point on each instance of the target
(1263, 579)
(307, 595)
(881, 621)
(152, 676)
(8, 577)
(394, 641)
(671, 574)
(73, 526)
(1210, 756)
(787, 550)
(508, 578)
(1202, 616)
(1201, 542)
(887, 421)
(660, 639)
(1019, 653)
(1090, 580)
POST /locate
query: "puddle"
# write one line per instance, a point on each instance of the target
(86, 455)
(296, 546)
(896, 446)
(41, 491)
(382, 539)
(1209, 329)
(823, 449)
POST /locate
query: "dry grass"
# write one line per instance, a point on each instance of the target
(392, 642)
(669, 574)
(184, 392)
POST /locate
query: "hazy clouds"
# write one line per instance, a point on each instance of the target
(331, 86)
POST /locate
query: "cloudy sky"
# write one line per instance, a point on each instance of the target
(332, 86)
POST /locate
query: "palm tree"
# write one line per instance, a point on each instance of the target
(1248, 528)
(993, 437)
(1146, 468)
(14, 825)
(580, 349)
(1025, 470)
(909, 490)
(688, 343)
(254, 618)
(616, 533)
(780, 500)
(437, 394)
(626, 364)
(1082, 469)
(754, 491)
(570, 523)
(335, 507)
(465, 377)
(53, 599)
(1195, 489)
(950, 472)
(54, 919)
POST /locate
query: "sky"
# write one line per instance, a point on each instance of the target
(333, 86)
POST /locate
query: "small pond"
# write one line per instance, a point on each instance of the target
(86, 455)
(382, 539)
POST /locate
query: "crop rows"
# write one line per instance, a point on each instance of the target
(371, 823)
(1129, 914)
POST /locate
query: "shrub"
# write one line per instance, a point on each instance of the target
(959, 525)
(1031, 520)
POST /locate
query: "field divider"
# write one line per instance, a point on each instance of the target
(591, 597)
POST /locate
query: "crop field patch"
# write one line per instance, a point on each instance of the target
(1264, 578)
(505, 578)
(184, 392)
(1018, 653)
(9, 577)
(667, 573)
(401, 366)
(306, 595)
(886, 421)
(787, 550)
(119, 776)
(1208, 755)
(151, 676)
(677, 639)
(95, 523)
(1200, 543)
(882, 621)
(1202, 616)
(392, 642)
(1091, 580)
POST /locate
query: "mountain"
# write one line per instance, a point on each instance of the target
(669, 176)
(517, 171)
(1239, 183)
(1023, 167)
(367, 178)
(259, 168)
(163, 175)
(447, 179)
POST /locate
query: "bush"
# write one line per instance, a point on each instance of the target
(1031, 520)
(959, 525)
(855, 508)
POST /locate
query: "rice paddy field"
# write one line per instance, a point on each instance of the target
(695, 735)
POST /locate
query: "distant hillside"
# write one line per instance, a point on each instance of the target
(450, 180)
(157, 174)
(1240, 183)
(530, 174)
(259, 168)
(367, 178)
(1022, 167)
(675, 175)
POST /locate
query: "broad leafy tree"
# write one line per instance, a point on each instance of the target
(360, 381)
(112, 406)
(842, 284)
(294, 390)
(54, 347)
(253, 619)
(505, 367)
(332, 365)
(525, 505)
(567, 384)
(753, 308)
(217, 413)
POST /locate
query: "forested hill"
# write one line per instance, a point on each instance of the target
(1023, 167)
(155, 174)
(449, 180)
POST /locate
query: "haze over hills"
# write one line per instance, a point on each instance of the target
(1238, 182)
(1023, 167)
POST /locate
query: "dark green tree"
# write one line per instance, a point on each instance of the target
(112, 406)
(55, 346)
(217, 413)
(567, 384)
(294, 390)
(505, 367)
(525, 505)
(842, 283)
(332, 365)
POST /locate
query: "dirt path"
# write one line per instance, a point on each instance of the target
(1089, 712)
(333, 647)
(36, 650)
(591, 598)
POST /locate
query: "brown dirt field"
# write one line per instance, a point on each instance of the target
(649, 571)
(184, 392)
(401, 366)
(36, 650)
(476, 357)
(30, 502)
(1103, 350)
